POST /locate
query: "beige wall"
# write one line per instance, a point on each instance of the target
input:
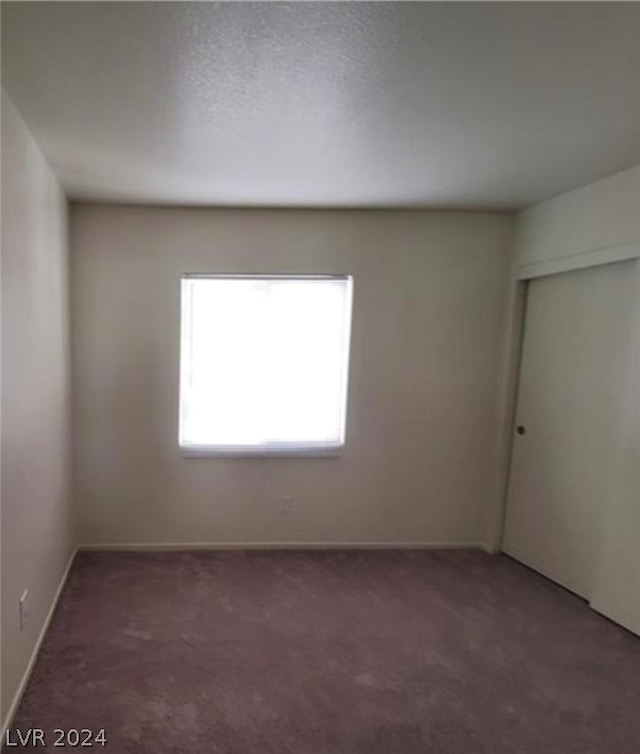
(36, 506)
(421, 459)
(597, 223)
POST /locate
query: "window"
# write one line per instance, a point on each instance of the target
(264, 364)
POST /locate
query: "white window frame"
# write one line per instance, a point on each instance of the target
(272, 449)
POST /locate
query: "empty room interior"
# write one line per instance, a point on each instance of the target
(320, 377)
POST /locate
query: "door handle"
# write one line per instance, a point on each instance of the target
(521, 429)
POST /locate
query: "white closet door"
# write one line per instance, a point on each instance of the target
(617, 585)
(577, 340)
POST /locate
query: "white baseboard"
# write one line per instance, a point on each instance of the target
(181, 546)
(34, 655)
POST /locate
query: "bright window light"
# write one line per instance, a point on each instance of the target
(264, 364)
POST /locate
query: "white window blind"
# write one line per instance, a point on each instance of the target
(264, 364)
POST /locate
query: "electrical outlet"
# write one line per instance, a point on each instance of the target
(24, 609)
(285, 506)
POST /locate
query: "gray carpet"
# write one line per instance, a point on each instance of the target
(332, 653)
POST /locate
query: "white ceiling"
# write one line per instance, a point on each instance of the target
(472, 105)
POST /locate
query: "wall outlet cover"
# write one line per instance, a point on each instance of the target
(24, 608)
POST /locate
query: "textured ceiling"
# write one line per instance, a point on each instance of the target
(327, 104)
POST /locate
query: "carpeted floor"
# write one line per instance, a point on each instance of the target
(332, 653)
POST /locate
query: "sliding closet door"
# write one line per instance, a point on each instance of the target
(617, 585)
(576, 348)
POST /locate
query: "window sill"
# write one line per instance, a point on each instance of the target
(274, 451)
